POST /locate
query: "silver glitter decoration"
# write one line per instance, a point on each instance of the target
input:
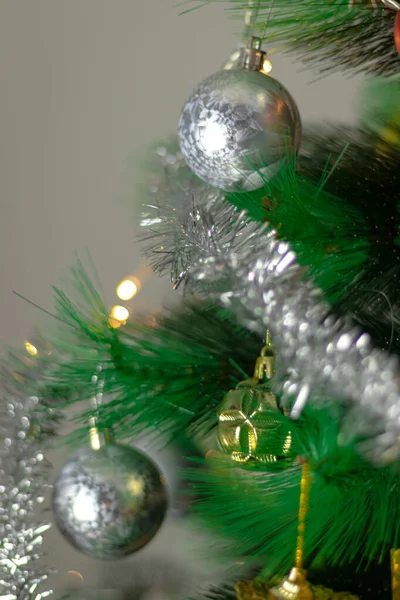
(171, 198)
(257, 276)
(236, 129)
(24, 430)
(110, 502)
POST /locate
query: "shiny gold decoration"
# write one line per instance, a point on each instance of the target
(305, 487)
(251, 427)
(252, 590)
(294, 587)
(258, 590)
(395, 564)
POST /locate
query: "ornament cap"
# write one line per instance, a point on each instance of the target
(252, 58)
(265, 364)
(98, 437)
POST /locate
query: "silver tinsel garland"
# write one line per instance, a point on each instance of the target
(171, 199)
(26, 426)
(258, 277)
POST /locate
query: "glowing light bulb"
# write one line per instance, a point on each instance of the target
(30, 348)
(267, 66)
(114, 324)
(118, 316)
(127, 289)
(120, 313)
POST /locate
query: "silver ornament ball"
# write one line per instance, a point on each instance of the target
(110, 502)
(237, 128)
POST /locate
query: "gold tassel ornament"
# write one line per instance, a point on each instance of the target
(295, 586)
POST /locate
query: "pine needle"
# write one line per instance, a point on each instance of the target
(333, 36)
(171, 377)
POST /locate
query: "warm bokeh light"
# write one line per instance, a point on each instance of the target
(30, 348)
(114, 324)
(267, 66)
(119, 313)
(95, 438)
(127, 289)
(136, 485)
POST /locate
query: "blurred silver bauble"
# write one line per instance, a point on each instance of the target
(110, 502)
(237, 128)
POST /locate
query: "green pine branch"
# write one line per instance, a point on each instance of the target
(369, 178)
(352, 513)
(327, 35)
(338, 206)
(319, 225)
(170, 377)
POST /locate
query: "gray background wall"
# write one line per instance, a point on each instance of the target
(86, 85)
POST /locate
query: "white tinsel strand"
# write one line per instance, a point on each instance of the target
(26, 426)
(258, 277)
(171, 198)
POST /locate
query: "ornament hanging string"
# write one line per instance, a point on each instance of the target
(305, 486)
(296, 585)
(97, 438)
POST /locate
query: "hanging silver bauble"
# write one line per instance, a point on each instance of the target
(237, 128)
(110, 502)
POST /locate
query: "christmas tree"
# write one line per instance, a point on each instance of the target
(276, 374)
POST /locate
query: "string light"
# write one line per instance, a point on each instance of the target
(120, 313)
(30, 348)
(118, 316)
(127, 289)
(113, 323)
(267, 66)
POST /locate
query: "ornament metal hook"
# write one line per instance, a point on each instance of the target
(252, 58)
(265, 364)
(98, 438)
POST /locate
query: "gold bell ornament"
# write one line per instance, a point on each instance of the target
(251, 427)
